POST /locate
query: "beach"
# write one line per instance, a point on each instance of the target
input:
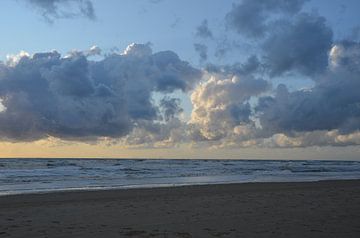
(299, 209)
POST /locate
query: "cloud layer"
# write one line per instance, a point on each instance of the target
(129, 97)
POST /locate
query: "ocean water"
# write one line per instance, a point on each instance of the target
(46, 175)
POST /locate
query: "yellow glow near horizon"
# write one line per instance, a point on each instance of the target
(82, 150)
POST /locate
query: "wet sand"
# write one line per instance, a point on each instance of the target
(311, 209)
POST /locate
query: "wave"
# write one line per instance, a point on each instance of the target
(18, 175)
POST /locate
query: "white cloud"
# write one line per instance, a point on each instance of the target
(12, 60)
(222, 104)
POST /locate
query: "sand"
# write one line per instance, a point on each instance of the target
(311, 209)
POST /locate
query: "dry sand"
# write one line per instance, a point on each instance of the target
(314, 209)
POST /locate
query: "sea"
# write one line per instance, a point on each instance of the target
(19, 176)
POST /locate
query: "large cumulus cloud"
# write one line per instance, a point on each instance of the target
(74, 98)
(327, 113)
(222, 104)
(333, 103)
(289, 42)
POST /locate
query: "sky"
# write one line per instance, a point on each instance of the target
(233, 79)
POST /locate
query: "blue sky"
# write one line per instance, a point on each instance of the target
(305, 53)
(118, 24)
(167, 24)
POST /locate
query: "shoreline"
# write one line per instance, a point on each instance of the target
(159, 186)
(284, 209)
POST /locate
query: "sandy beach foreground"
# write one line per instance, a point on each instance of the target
(311, 209)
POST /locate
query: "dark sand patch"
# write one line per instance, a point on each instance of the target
(314, 209)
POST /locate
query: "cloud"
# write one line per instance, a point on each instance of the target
(94, 50)
(57, 9)
(313, 138)
(327, 113)
(332, 104)
(75, 98)
(250, 18)
(170, 107)
(301, 45)
(290, 41)
(232, 106)
(203, 30)
(251, 66)
(345, 54)
(154, 134)
(202, 50)
(221, 104)
(72, 97)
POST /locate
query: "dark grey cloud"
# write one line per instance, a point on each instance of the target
(302, 45)
(75, 98)
(250, 17)
(332, 104)
(56, 9)
(289, 40)
(250, 66)
(203, 31)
